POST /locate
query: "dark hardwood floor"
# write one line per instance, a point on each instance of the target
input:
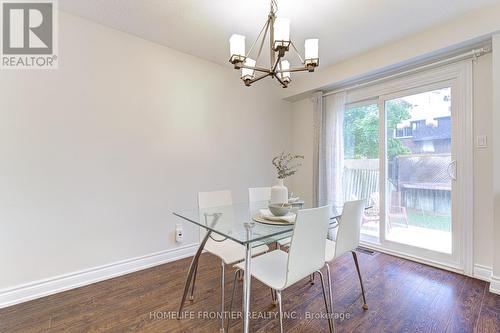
(403, 296)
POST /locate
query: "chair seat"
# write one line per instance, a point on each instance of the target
(329, 250)
(231, 252)
(270, 268)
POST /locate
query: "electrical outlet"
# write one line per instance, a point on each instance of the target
(179, 233)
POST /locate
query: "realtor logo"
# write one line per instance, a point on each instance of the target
(28, 32)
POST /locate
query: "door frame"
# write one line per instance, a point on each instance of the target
(458, 76)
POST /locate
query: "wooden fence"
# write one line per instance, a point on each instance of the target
(361, 179)
(428, 200)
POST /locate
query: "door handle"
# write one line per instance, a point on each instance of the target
(453, 175)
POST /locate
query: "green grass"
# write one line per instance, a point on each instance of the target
(428, 221)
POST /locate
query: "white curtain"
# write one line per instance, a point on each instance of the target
(329, 148)
(317, 100)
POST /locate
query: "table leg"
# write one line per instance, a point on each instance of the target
(246, 289)
(192, 269)
(191, 294)
(247, 279)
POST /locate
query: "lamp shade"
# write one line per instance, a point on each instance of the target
(237, 45)
(311, 49)
(285, 74)
(247, 73)
(282, 29)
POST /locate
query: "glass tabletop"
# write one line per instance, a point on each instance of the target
(236, 222)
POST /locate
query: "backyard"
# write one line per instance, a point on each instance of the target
(429, 221)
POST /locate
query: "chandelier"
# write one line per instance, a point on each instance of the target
(279, 44)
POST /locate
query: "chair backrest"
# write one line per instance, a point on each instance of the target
(349, 227)
(259, 194)
(214, 199)
(307, 248)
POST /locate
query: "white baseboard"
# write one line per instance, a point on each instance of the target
(495, 285)
(420, 260)
(37, 289)
(483, 272)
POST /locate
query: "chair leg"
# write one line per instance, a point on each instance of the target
(280, 305)
(355, 257)
(273, 296)
(329, 277)
(311, 278)
(232, 298)
(331, 323)
(222, 279)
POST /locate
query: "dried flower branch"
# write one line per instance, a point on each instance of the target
(284, 166)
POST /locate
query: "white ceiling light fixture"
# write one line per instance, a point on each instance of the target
(279, 43)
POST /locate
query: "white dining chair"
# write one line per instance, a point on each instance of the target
(279, 270)
(347, 241)
(259, 194)
(256, 194)
(227, 250)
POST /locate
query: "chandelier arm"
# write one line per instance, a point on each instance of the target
(276, 64)
(262, 42)
(280, 69)
(301, 69)
(258, 36)
(259, 78)
(297, 52)
(258, 69)
(271, 18)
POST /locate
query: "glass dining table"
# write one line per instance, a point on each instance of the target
(236, 222)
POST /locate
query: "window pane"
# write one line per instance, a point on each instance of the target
(418, 163)
(361, 163)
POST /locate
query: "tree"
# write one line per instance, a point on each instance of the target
(361, 130)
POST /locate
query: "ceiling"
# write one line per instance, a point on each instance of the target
(203, 27)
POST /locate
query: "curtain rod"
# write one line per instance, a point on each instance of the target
(473, 54)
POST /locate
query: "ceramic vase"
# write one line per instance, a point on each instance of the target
(279, 193)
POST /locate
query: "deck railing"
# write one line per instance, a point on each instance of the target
(360, 180)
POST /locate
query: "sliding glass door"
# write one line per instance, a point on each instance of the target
(419, 170)
(407, 146)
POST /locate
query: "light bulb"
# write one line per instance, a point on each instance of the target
(311, 49)
(285, 74)
(281, 32)
(237, 45)
(247, 73)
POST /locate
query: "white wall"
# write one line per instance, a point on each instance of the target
(483, 171)
(96, 155)
(302, 120)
